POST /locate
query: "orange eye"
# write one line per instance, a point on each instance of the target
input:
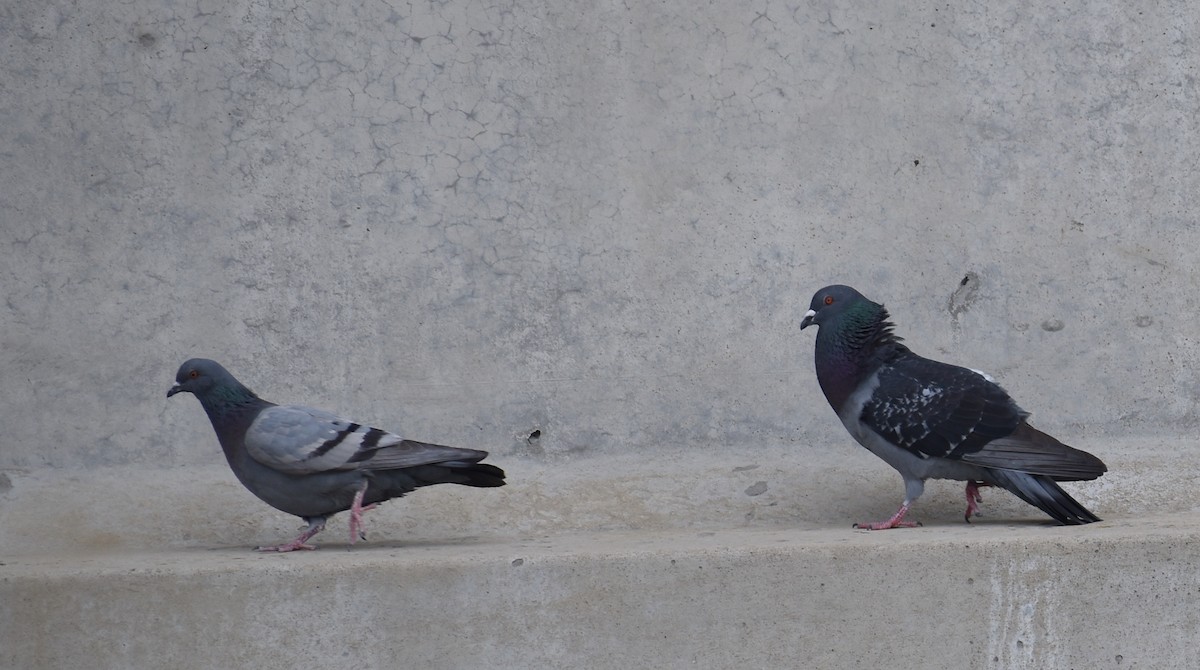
(194, 373)
(828, 300)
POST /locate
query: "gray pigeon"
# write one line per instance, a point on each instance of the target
(314, 464)
(934, 420)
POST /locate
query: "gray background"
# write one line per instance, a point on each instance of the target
(602, 221)
(467, 222)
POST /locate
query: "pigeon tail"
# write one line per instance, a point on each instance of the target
(1042, 492)
(482, 475)
(465, 473)
(1030, 450)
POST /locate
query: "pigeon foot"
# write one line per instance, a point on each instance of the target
(973, 499)
(895, 522)
(356, 514)
(294, 545)
(315, 526)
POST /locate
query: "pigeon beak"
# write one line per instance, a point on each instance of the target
(174, 389)
(808, 319)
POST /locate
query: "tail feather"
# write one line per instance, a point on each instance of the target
(483, 475)
(466, 473)
(1030, 450)
(1043, 493)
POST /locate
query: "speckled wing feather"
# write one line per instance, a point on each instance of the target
(937, 410)
(303, 440)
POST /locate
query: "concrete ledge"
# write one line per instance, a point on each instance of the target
(1115, 594)
(670, 559)
(791, 487)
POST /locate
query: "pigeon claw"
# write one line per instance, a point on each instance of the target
(290, 546)
(315, 525)
(886, 525)
(356, 512)
(897, 521)
(973, 499)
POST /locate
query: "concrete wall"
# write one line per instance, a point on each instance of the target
(468, 222)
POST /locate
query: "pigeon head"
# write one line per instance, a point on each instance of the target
(855, 337)
(831, 302)
(207, 380)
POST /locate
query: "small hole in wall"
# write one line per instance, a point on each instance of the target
(964, 281)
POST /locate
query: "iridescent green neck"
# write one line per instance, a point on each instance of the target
(851, 347)
(226, 403)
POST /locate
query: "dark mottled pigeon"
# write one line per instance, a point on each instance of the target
(314, 464)
(934, 420)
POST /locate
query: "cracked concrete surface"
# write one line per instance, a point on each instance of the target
(473, 221)
(600, 223)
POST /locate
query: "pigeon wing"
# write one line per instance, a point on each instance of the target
(303, 440)
(938, 410)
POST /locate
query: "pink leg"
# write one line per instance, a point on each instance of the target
(973, 499)
(356, 512)
(894, 522)
(314, 526)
